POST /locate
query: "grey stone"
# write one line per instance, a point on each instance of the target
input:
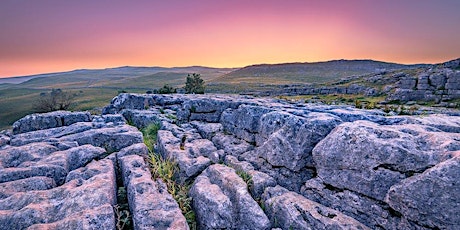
(244, 121)
(140, 118)
(286, 140)
(112, 139)
(230, 144)
(23, 185)
(135, 149)
(221, 200)
(84, 202)
(49, 120)
(4, 140)
(372, 213)
(189, 165)
(207, 130)
(150, 203)
(128, 101)
(367, 158)
(290, 210)
(52, 133)
(432, 198)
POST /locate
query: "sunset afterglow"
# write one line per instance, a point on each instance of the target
(53, 35)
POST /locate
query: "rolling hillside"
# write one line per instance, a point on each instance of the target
(94, 88)
(317, 72)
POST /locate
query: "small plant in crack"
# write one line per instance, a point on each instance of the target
(150, 135)
(182, 142)
(123, 217)
(247, 178)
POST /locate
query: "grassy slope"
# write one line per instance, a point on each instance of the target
(94, 89)
(292, 73)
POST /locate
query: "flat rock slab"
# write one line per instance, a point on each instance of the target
(85, 200)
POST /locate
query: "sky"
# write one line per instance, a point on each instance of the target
(56, 35)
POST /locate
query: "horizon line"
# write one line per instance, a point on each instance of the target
(213, 67)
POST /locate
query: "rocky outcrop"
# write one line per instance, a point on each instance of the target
(429, 83)
(251, 163)
(432, 85)
(56, 172)
(309, 166)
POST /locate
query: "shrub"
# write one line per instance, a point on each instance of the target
(166, 89)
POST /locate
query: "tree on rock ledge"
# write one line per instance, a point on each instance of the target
(194, 84)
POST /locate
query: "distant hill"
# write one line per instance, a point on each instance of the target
(316, 72)
(94, 88)
(105, 77)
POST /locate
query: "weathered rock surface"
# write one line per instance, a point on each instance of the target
(309, 166)
(151, 205)
(49, 120)
(436, 188)
(222, 201)
(59, 175)
(367, 158)
(290, 210)
(84, 201)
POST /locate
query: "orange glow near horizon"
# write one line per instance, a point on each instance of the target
(53, 36)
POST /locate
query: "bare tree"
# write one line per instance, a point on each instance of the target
(54, 100)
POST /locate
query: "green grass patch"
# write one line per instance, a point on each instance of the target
(247, 178)
(150, 135)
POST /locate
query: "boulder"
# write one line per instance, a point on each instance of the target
(368, 211)
(49, 120)
(140, 118)
(230, 144)
(221, 199)
(135, 149)
(286, 140)
(128, 101)
(51, 134)
(289, 210)
(112, 138)
(368, 158)
(430, 199)
(207, 130)
(23, 185)
(190, 165)
(244, 121)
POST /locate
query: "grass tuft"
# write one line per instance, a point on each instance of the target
(150, 135)
(247, 178)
